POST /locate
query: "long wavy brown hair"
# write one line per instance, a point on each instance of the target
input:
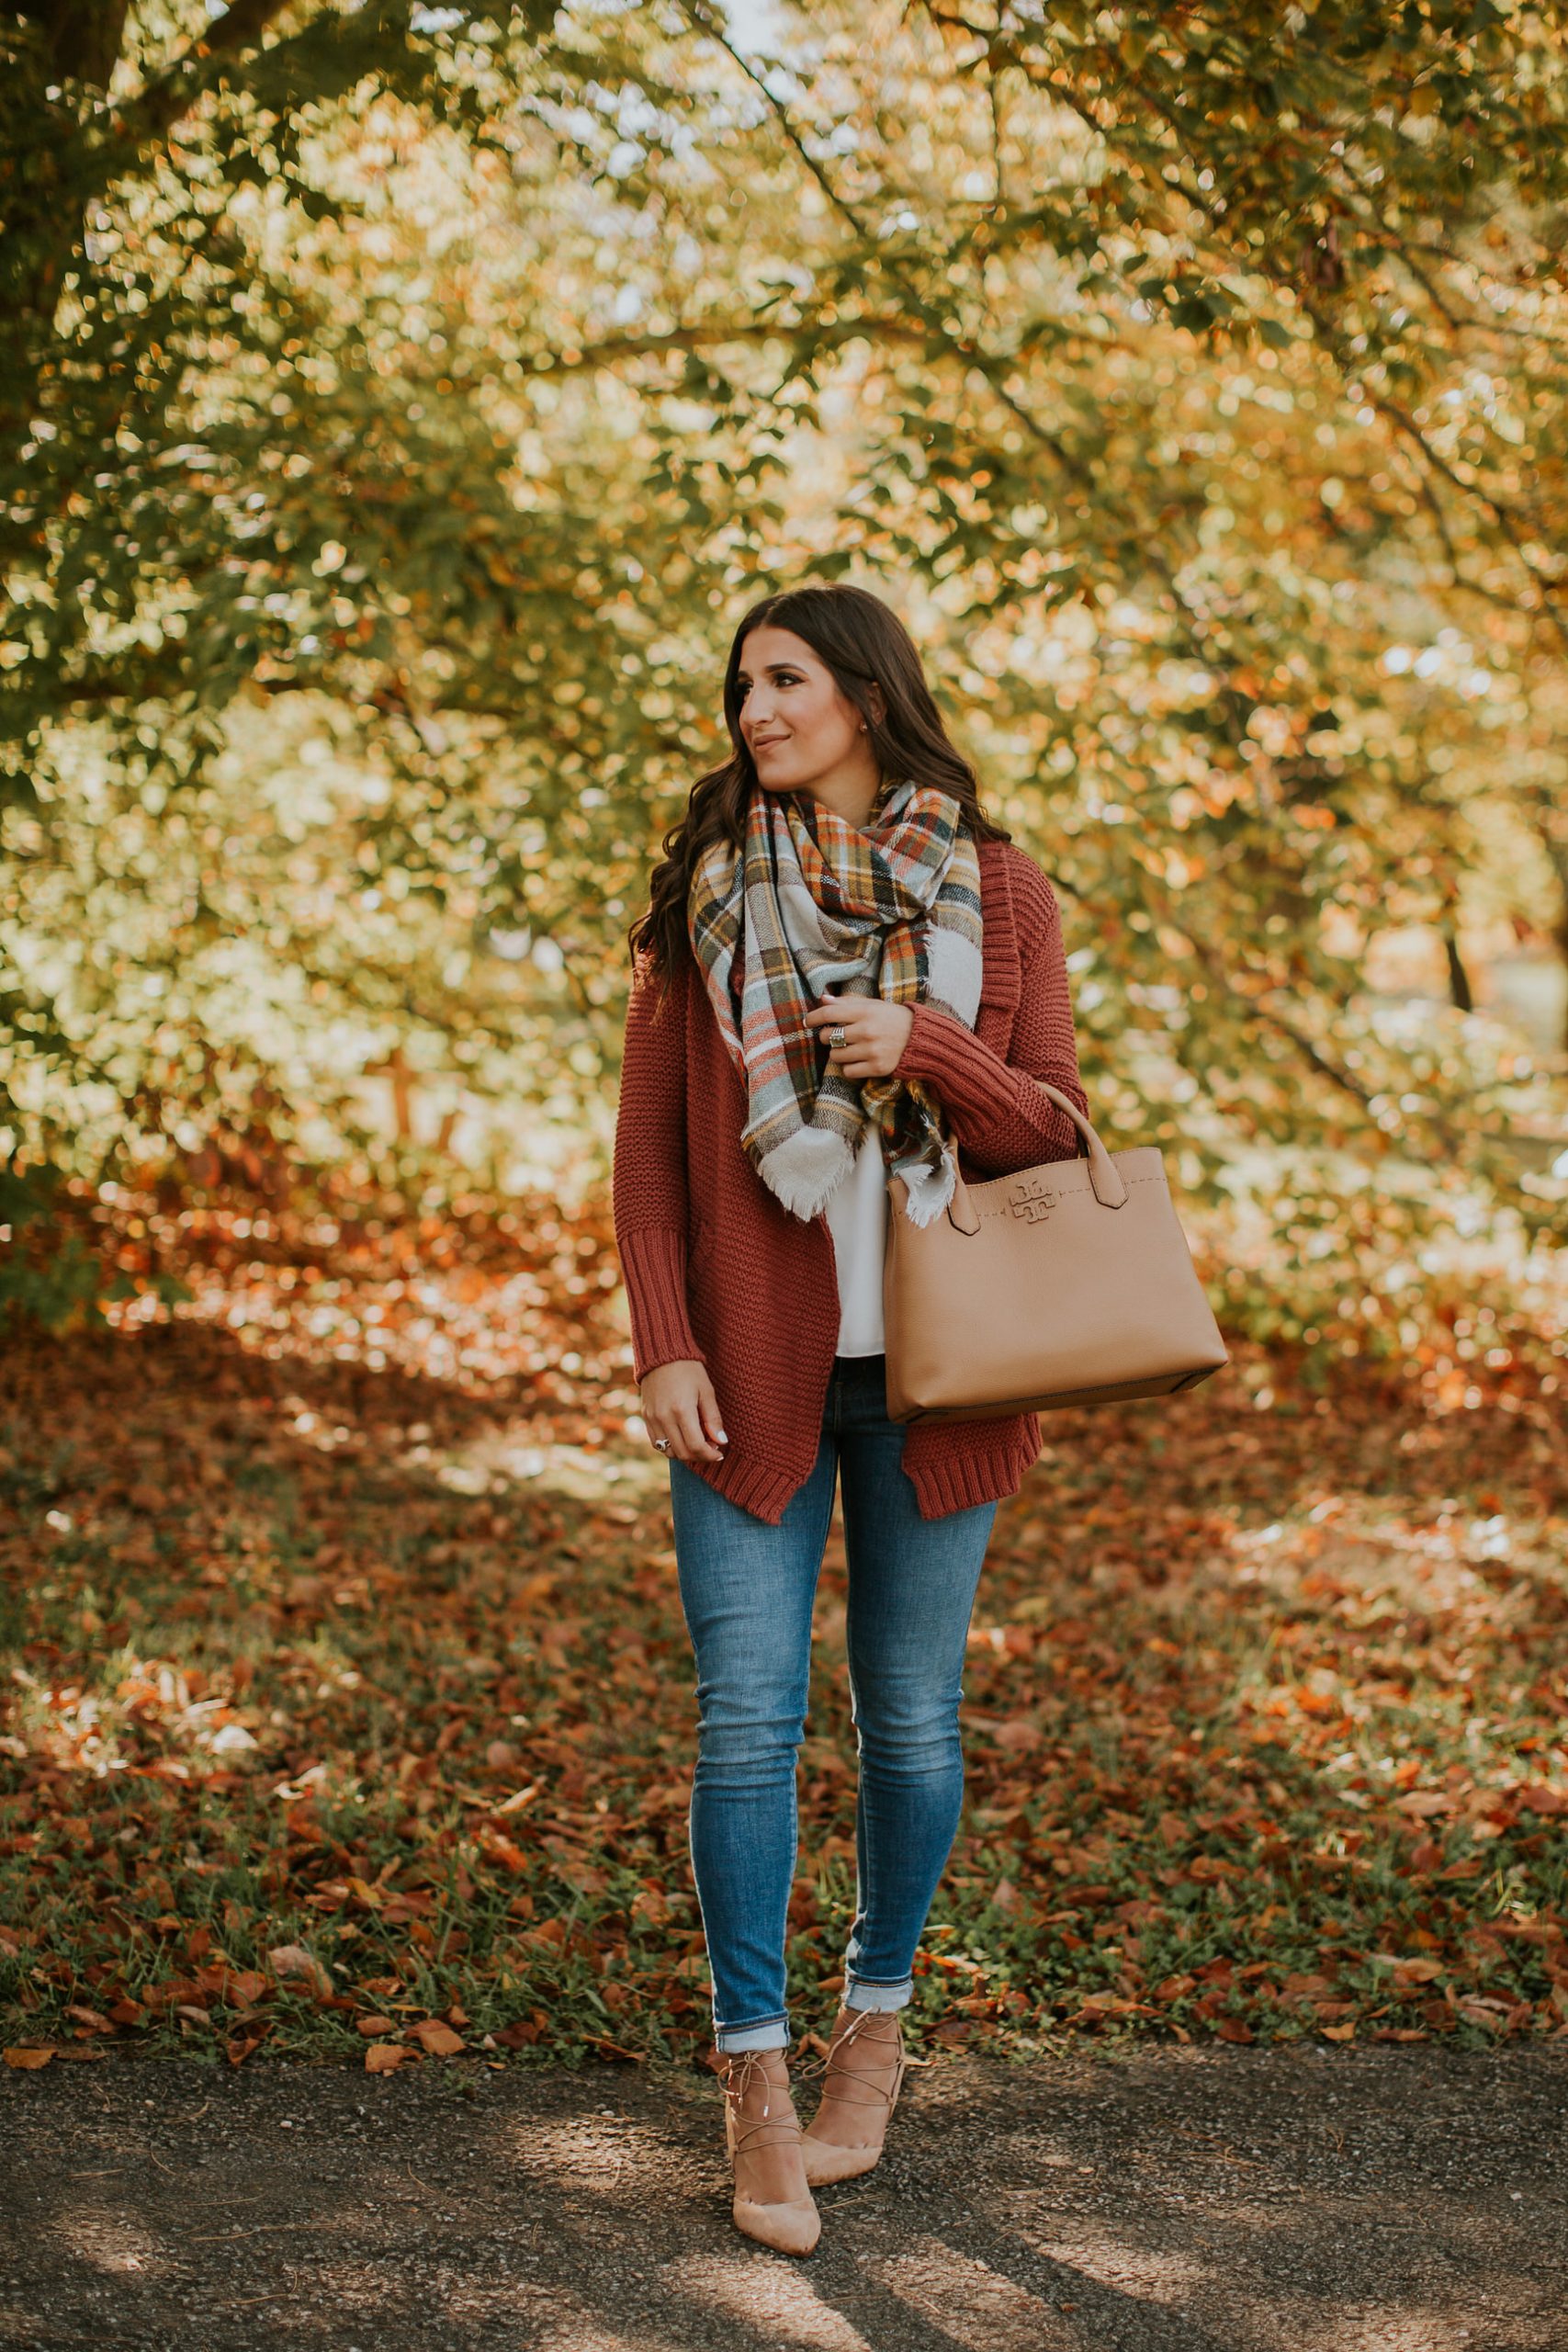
(864, 644)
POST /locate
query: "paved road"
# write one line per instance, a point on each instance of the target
(1295, 2200)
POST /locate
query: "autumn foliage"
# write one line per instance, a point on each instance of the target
(351, 1713)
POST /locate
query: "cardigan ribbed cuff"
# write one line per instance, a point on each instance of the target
(946, 1481)
(654, 1264)
(958, 1481)
(975, 1084)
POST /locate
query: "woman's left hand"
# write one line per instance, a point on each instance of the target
(876, 1033)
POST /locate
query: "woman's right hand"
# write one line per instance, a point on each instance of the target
(678, 1403)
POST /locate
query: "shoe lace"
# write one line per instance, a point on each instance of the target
(839, 2076)
(740, 2074)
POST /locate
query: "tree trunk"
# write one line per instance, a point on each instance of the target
(82, 37)
(1461, 993)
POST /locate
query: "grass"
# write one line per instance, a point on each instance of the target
(350, 1710)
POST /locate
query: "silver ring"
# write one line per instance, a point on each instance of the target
(836, 1038)
(662, 1443)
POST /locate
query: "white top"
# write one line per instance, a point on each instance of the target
(856, 1212)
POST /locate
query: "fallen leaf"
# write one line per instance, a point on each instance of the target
(1018, 1735)
(29, 2059)
(291, 1964)
(240, 1987)
(608, 2049)
(523, 1797)
(522, 2033)
(503, 1849)
(438, 2038)
(384, 2057)
(239, 2046)
(232, 1739)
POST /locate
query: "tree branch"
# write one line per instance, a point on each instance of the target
(151, 110)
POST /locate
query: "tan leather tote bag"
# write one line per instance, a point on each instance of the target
(1066, 1285)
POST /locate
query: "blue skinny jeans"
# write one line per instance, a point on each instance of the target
(746, 1589)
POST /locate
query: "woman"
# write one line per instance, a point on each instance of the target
(845, 971)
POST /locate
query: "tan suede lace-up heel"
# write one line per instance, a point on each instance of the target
(872, 2083)
(791, 2225)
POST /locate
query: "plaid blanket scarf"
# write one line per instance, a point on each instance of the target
(811, 904)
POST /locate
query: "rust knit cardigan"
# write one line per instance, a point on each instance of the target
(717, 1271)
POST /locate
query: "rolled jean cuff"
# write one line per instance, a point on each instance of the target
(860, 1992)
(767, 2033)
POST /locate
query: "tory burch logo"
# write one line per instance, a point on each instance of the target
(1033, 1201)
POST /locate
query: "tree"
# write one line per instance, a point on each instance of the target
(1071, 249)
(1194, 381)
(257, 440)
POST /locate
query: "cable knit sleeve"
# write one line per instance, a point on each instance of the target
(998, 1114)
(649, 1177)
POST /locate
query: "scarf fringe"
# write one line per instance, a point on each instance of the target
(929, 1189)
(805, 1171)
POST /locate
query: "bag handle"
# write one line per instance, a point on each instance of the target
(1104, 1176)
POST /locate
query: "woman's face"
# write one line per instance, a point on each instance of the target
(798, 727)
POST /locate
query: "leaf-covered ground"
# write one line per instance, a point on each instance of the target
(349, 1710)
